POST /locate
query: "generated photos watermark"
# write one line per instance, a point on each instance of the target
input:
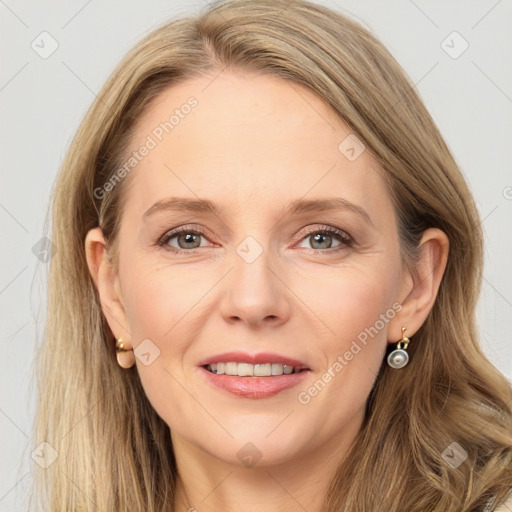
(304, 397)
(152, 140)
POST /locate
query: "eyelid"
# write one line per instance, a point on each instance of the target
(346, 239)
(194, 228)
(342, 233)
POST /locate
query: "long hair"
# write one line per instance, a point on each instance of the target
(113, 451)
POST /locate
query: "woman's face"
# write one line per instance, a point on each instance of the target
(257, 276)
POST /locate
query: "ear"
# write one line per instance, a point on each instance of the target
(421, 284)
(106, 280)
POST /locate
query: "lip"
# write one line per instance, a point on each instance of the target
(254, 387)
(260, 358)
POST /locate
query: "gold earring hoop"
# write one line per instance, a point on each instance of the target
(399, 357)
(125, 357)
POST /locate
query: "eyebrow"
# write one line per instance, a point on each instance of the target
(296, 206)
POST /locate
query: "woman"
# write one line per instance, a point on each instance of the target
(264, 289)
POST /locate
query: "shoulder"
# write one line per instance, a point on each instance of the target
(506, 506)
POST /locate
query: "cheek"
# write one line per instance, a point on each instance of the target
(355, 307)
(157, 297)
(349, 300)
(159, 306)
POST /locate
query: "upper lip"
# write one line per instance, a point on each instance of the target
(259, 358)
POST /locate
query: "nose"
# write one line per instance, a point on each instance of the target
(255, 292)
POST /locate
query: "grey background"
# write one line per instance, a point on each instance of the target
(42, 102)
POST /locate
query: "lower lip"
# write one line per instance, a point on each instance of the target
(255, 387)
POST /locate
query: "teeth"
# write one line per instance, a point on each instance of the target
(252, 370)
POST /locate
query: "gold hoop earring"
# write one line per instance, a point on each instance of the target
(399, 357)
(125, 357)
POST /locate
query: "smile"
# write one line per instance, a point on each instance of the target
(252, 370)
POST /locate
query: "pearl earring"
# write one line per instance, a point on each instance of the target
(399, 357)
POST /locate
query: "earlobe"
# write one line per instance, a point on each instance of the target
(106, 281)
(423, 283)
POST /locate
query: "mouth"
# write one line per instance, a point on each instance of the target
(237, 369)
(245, 375)
(247, 382)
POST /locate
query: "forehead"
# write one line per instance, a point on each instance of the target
(248, 140)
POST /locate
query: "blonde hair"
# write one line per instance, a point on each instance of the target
(114, 451)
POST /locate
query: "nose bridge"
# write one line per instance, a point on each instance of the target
(253, 266)
(255, 291)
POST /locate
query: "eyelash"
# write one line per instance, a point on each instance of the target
(346, 240)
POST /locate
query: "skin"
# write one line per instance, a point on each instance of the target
(253, 144)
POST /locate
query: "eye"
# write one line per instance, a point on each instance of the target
(188, 240)
(323, 239)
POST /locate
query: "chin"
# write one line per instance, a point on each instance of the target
(256, 447)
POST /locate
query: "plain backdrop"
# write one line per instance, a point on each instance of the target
(458, 53)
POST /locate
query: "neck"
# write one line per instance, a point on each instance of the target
(208, 484)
